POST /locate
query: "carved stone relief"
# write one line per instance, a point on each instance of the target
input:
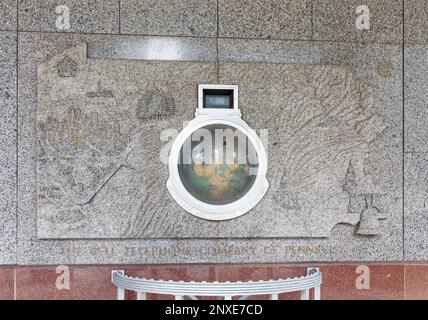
(155, 104)
(99, 168)
(66, 67)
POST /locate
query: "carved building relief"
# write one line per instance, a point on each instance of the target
(99, 168)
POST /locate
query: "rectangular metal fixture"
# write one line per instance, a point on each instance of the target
(214, 96)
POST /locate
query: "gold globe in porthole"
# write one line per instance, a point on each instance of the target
(220, 169)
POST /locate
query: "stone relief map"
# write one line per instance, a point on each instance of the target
(100, 123)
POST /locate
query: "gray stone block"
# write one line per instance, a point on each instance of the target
(92, 16)
(169, 17)
(272, 19)
(8, 15)
(154, 48)
(342, 245)
(8, 148)
(416, 207)
(416, 21)
(416, 98)
(80, 193)
(335, 20)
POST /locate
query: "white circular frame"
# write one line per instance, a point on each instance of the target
(210, 211)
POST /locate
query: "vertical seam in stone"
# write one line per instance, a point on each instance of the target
(16, 138)
(403, 131)
(119, 21)
(312, 20)
(217, 18)
(216, 44)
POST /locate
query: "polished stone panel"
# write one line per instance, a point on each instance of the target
(416, 21)
(416, 207)
(7, 283)
(416, 98)
(416, 281)
(340, 281)
(344, 247)
(363, 282)
(93, 16)
(154, 48)
(335, 20)
(271, 19)
(8, 148)
(8, 15)
(169, 17)
(85, 283)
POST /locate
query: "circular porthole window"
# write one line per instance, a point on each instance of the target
(217, 163)
(214, 176)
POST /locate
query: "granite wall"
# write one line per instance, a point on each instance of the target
(378, 74)
(387, 281)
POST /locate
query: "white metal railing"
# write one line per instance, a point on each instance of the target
(227, 290)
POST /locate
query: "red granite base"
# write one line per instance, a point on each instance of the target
(340, 281)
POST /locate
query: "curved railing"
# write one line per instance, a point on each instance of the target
(192, 289)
